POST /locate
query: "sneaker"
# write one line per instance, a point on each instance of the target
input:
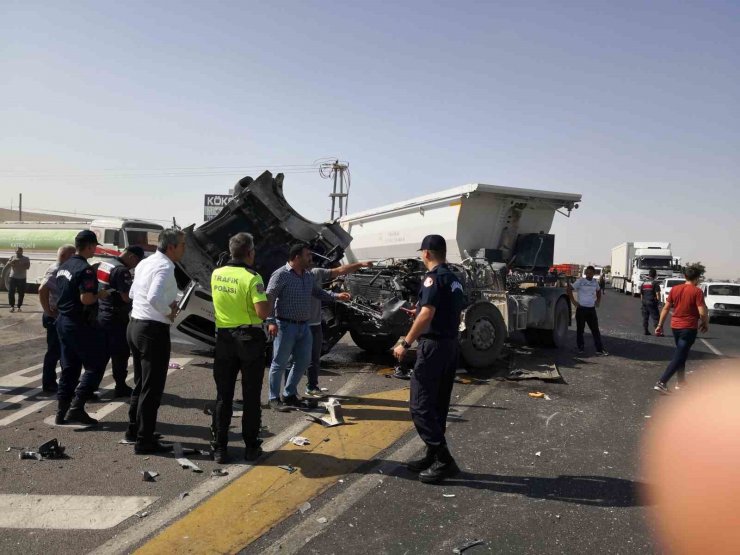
(152, 448)
(401, 374)
(12, 309)
(278, 405)
(602, 353)
(19, 309)
(661, 388)
(292, 401)
(314, 392)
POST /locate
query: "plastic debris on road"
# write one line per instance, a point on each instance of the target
(217, 472)
(183, 495)
(322, 520)
(300, 441)
(182, 461)
(552, 374)
(538, 454)
(142, 514)
(125, 442)
(448, 495)
(174, 366)
(304, 507)
(467, 546)
(149, 475)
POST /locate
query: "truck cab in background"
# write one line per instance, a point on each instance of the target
(40, 241)
(632, 262)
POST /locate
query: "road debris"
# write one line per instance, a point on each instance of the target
(536, 395)
(183, 495)
(24, 455)
(467, 546)
(552, 374)
(182, 461)
(304, 507)
(142, 514)
(538, 453)
(125, 442)
(289, 467)
(52, 450)
(218, 472)
(322, 520)
(300, 441)
(149, 475)
(174, 366)
(448, 495)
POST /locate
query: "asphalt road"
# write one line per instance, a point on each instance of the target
(540, 476)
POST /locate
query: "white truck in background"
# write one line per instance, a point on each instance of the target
(40, 241)
(632, 262)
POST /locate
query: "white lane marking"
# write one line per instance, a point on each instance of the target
(296, 538)
(123, 542)
(712, 348)
(108, 408)
(28, 394)
(68, 512)
(19, 378)
(17, 415)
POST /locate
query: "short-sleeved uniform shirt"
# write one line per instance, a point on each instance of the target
(587, 290)
(322, 276)
(442, 290)
(50, 281)
(686, 299)
(75, 277)
(235, 289)
(650, 292)
(114, 309)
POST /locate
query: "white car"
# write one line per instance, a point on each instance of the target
(665, 287)
(723, 299)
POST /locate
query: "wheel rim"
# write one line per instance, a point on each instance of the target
(483, 334)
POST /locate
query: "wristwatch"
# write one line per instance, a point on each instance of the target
(405, 344)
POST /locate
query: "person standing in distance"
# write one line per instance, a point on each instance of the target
(19, 265)
(650, 293)
(81, 340)
(154, 307)
(290, 290)
(589, 297)
(322, 276)
(690, 315)
(436, 326)
(48, 296)
(240, 305)
(113, 313)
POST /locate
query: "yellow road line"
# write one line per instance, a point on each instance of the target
(266, 495)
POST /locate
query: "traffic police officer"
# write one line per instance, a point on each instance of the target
(240, 306)
(81, 340)
(650, 293)
(436, 326)
(113, 312)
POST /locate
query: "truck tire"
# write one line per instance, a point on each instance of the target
(375, 344)
(558, 335)
(483, 339)
(4, 278)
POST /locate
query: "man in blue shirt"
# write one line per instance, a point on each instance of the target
(290, 290)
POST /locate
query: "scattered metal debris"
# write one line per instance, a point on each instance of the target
(300, 441)
(289, 467)
(467, 546)
(181, 460)
(218, 472)
(52, 450)
(149, 475)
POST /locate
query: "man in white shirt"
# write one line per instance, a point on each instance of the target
(153, 295)
(589, 297)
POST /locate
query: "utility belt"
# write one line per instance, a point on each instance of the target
(247, 332)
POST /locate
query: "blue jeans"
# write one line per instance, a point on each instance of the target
(684, 340)
(292, 340)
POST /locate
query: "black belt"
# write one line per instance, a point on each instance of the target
(149, 321)
(292, 321)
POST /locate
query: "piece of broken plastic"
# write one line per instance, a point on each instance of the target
(300, 441)
(322, 520)
(142, 514)
(467, 546)
(219, 472)
(304, 507)
(448, 495)
(149, 475)
(175, 365)
(538, 453)
(30, 455)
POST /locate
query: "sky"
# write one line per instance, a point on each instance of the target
(138, 109)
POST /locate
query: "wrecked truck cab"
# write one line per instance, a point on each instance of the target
(259, 208)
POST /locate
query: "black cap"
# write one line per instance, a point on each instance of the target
(136, 250)
(433, 243)
(87, 236)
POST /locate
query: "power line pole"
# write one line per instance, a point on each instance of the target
(338, 196)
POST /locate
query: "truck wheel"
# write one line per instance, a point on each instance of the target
(375, 344)
(557, 336)
(5, 278)
(483, 339)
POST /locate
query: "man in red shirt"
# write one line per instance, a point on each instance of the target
(689, 315)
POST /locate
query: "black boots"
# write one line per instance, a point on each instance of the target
(423, 463)
(77, 415)
(444, 466)
(62, 409)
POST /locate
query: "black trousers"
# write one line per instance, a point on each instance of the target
(117, 349)
(587, 315)
(16, 286)
(150, 348)
(648, 310)
(431, 388)
(80, 345)
(238, 349)
(53, 352)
